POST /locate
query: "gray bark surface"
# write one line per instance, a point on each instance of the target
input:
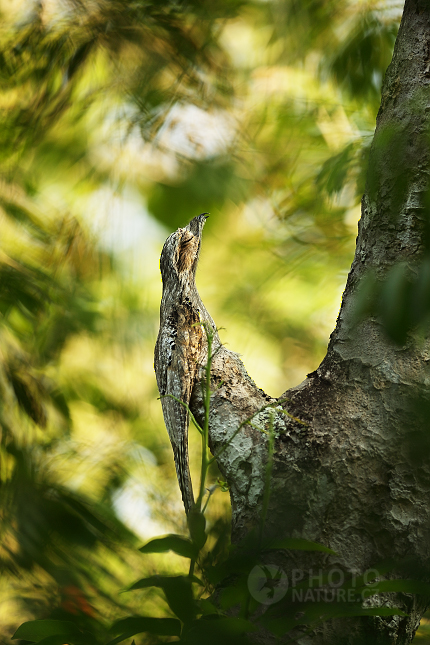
(346, 474)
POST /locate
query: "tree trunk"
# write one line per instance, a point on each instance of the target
(349, 468)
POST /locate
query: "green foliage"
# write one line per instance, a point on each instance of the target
(401, 300)
(209, 183)
(52, 632)
(176, 543)
(197, 525)
(335, 170)
(364, 53)
(198, 619)
(128, 627)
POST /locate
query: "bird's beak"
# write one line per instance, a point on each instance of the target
(206, 215)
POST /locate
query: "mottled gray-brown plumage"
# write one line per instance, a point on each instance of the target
(181, 344)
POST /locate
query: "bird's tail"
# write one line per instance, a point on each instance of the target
(183, 473)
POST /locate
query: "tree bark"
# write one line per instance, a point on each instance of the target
(346, 472)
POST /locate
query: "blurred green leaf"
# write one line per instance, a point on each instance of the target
(395, 303)
(401, 586)
(390, 142)
(133, 625)
(297, 544)
(178, 592)
(24, 288)
(218, 629)
(59, 640)
(28, 392)
(206, 188)
(197, 524)
(401, 300)
(36, 630)
(176, 543)
(359, 63)
(25, 217)
(334, 171)
(313, 613)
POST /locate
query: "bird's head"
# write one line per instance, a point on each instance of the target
(196, 228)
(182, 249)
(196, 225)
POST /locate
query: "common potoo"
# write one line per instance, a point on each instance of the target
(181, 344)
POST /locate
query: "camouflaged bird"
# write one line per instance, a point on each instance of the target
(181, 344)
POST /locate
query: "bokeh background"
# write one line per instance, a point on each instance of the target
(120, 121)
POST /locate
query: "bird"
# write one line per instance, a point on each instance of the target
(181, 342)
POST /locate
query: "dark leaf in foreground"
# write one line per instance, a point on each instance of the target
(176, 543)
(128, 627)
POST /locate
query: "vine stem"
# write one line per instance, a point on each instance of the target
(268, 478)
(205, 433)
